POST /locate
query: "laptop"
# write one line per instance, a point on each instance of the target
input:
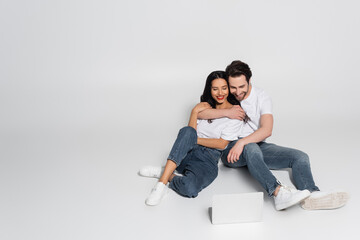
(237, 208)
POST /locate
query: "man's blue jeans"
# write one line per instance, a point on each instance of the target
(261, 157)
(198, 164)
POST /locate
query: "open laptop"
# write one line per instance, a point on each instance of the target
(237, 208)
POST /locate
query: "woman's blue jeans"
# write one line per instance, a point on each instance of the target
(197, 164)
(261, 157)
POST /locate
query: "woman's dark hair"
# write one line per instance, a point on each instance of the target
(206, 96)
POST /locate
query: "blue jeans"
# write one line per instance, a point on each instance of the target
(198, 164)
(261, 157)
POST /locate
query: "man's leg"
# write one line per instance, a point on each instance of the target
(252, 157)
(277, 157)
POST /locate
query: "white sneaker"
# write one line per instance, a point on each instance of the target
(325, 200)
(157, 193)
(151, 171)
(288, 197)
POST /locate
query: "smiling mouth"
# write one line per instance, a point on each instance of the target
(220, 98)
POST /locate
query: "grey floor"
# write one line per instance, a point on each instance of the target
(84, 185)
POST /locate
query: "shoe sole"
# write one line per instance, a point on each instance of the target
(154, 175)
(293, 202)
(149, 176)
(154, 203)
(158, 175)
(330, 201)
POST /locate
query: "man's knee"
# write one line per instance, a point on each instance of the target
(251, 149)
(302, 158)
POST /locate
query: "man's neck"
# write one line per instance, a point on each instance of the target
(248, 93)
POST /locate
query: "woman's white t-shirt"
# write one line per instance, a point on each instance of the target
(225, 128)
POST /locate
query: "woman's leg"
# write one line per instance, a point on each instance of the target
(199, 172)
(184, 143)
(168, 173)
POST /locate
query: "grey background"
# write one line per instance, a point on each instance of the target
(92, 90)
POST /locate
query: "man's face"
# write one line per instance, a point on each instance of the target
(239, 87)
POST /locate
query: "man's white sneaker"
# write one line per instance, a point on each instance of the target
(325, 200)
(157, 193)
(151, 171)
(288, 197)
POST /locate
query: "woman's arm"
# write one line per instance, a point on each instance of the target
(194, 113)
(193, 119)
(217, 143)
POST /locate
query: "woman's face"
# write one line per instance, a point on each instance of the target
(219, 90)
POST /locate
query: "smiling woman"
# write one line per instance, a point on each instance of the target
(198, 147)
(219, 90)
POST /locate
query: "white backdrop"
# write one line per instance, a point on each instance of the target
(122, 76)
(86, 64)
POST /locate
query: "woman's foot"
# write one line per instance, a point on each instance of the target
(151, 171)
(325, 200)
(157, 193)
(155, 172)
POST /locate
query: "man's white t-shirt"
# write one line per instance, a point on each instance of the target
(225, 128)
(255, 105)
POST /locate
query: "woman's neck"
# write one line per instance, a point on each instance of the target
(224, 105)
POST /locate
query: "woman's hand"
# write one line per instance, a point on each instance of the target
(201, 107)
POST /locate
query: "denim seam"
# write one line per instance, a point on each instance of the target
(212, 155)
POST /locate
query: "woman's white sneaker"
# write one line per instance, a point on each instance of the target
(325, 200)
(151, 171)
(157, 193)
(288, 197)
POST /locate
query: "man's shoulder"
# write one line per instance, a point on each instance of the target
(260, 93)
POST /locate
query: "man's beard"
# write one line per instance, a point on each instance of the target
(241, 97)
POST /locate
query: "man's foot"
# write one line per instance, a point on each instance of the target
(288, 197)
(325, 200)
(157, 193)
(151, 171)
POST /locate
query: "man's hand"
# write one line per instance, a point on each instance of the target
(236, 112)
(235, 152)
(201, 107)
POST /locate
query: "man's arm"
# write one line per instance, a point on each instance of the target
(263, 132)
(236, 112)
(217, 143)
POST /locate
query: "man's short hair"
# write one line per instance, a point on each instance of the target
(238, 68)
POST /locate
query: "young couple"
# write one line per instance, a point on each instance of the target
(232, 122)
